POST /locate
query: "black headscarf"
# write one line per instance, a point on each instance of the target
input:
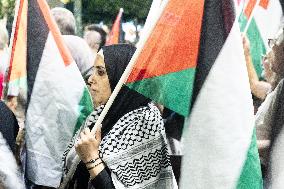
(116, 59)
(8, 126)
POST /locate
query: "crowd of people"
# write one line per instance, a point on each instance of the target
(138, 144)
(104, 161)
(267, 92)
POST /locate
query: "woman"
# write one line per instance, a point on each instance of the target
(129, 151)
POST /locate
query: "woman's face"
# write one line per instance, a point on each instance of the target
(99, 82)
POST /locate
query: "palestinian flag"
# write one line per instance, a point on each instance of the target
(165, 68)
(58, 100)
(265, 16)
(239, 6)
(194, 55)
(220, 148)
(115, 35)
(16, 79)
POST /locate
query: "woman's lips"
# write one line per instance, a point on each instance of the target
(94, 90)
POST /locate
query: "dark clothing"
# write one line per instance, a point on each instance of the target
(116, 59)
(103, 180)
(173, 124)
(8, 126)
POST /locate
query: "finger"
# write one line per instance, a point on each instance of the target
(82, 136)
(87, 131)
(98, 133)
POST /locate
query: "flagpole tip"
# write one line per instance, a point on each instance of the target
(121, 10)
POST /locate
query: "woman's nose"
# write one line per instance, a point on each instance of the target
(90, 79)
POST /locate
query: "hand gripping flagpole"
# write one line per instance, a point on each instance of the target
(131, 64)
(149, 27)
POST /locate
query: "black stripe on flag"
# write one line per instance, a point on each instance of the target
(218, 19)
(37, 35)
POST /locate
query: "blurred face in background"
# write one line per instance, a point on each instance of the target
(267, 72)
(276, 56)
(93, 39)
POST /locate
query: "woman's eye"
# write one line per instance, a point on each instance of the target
(101, 72)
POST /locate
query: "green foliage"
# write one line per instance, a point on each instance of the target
(106, 10)
(7, 8)
(94, 11)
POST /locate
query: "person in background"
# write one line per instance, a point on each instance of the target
(3, 55)
(267, 73)
(8, 126)
(258, 88)
(95, 37)
(267, 111)
(79, 49)
(10, 176)
(65, 20)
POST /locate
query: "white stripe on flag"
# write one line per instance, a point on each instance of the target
(268, 20)
(220, 129)
(52, 115)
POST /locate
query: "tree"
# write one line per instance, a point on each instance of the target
(7, 11)
(95, 11)
(7, 8)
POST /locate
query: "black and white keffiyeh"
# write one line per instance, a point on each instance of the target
(135, 150)
(133, 145)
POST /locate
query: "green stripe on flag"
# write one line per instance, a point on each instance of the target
(173, 90)
(85, 108)
(21, 82)
(242, 22)
(12, 88)
(257, 45)
(251, 177)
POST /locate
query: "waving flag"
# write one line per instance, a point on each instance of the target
(115, 35)
(194, 60)
(17, 73)
(165, 68)
(265, 21)
(220, 142)
(57, 101)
